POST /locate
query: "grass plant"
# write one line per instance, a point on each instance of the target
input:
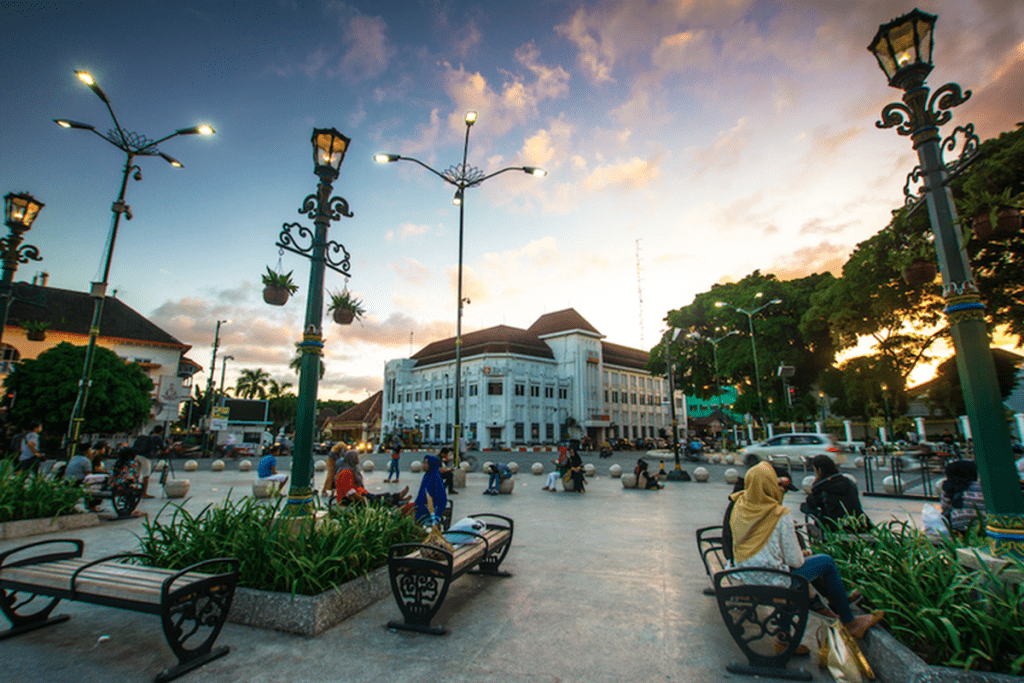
(351, 542)
(947, 614)
(25, 495)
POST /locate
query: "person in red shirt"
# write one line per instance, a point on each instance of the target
(348, 487)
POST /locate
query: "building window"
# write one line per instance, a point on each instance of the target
(408, 397)
(473, 389)
(519, 431)
(472, 430)
(494, 388)
(419, 396)
(462, 390)
(549, 392)
(633, 398)
(605, 395)
(534, 392)
(437, 394)
(437, 431)
(535, 431)
(448, 432)
(643, 400)
(520, 390)
(398, 398)
(448, 392)
(563, 393)
(549, 432)
(615, 397)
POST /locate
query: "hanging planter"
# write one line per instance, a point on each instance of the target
(1007, 221)
(277, 287)
(919, 272)
(35, 330)
(345, 308)
(995, 215)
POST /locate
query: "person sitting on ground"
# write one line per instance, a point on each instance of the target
(125, 472)
(78, 469)
(763, 535)
(499, 472)
(349, 487)
(561, 467)
(431, 499)
(644, 478)
(962, 499)
(833, 500)
(100, 451)
(447, 470)
(576, 472)
(266, 470)
(334, 457)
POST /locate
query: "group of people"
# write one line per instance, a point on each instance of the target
(569, 468)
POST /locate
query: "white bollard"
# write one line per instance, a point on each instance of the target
(537, 468)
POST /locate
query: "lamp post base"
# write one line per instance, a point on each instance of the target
(300, 503)
(675, 475)
(1006, 534)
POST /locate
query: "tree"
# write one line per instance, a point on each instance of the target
(45, 389)
(945, 393)
(278, 389)
(252, 383)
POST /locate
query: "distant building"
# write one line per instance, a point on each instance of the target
(360, 423)
(557, 379)
(705, 415)
(122, 330)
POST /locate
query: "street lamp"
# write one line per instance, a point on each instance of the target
(20, 211)
(888, 420)
(903, 48)
(329, 147)
(209, 386)
(753, 346)
(714, 345)
(223, 367)
(677, 472)
(133, 145)
(462, 176)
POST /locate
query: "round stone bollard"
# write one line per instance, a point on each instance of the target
(507, 485)
(701, 474)
(715, 458)
(513, 467)
(889, 484)
(416, 466)
(731, 476)
(459, 478)
(262, 488)
(367, 466)
(320, 465)
(217, 465)
(190, 466)
(730, 459)
(464, 466)
(629, 480)
(244, 465)
(176, 488)
(537, 468)
(487, 467)
(807, 483)
(858, 462)
(615, 471)
(589, 469)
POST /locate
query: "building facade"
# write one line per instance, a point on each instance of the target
(557, 379)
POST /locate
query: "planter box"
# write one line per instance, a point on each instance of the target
(894, 662)
(35, 527)
(308, 615)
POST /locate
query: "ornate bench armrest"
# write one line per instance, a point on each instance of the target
(41, 559)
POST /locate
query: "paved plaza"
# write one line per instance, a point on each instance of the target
(606, 586)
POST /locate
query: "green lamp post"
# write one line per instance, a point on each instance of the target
(903, 48)
(329, 147)
(20, 211)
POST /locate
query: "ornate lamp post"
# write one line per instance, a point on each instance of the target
(753, 345)
(463, 177)
(20, 211)
(677, 472)
(903, 48)
(133, 145)
(223, 367)
(209, 386)
(329, 147)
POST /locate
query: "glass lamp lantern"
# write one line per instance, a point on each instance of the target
(329, 147)
(20, 211)
(903, 48)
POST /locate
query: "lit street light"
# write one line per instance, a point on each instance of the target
(133, 145)
(20, 211)
(209, 386)
(223, 367)
(677, 472)
(753, 346)
(463, 177)
(903, 48)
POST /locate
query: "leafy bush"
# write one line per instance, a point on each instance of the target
(945, 613)
(350, 543)
(33, 496)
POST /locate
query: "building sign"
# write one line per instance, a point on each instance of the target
(219, 421)
(169, 394)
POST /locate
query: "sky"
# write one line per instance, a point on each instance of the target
(686, 143)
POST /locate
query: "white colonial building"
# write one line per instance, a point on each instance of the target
(557, 379)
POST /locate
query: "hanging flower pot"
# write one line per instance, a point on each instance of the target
(36, 335)
(345, 307)
(1008, 222)
(919, 272)
(35, 330)
(277, 287)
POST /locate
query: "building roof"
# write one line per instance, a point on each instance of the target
(368, 411)
(71, 312)
(561, 321)
(493, 340)
(623, 356)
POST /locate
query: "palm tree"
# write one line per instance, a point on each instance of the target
(296, 363)
(252, 383)
(278, 389)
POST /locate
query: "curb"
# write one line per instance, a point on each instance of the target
(894, 662)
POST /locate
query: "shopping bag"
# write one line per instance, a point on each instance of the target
(839, 653)
(932, 520)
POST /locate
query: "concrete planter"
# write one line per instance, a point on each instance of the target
(35, 527)
(459, 478)
(308, 615)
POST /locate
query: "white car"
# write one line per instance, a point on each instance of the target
(797, 447)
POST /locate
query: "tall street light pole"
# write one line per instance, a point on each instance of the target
(209, 386)
(714, 346)
(133, 145)
(677, 472)
(20, 211)
(223, 367)
(753, 345)
(463, 177)
(329, 147)
(903, 48)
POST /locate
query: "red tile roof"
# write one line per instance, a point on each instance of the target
(613, 354)
(493, 340)
(561, 321)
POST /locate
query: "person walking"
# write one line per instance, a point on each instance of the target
(393, 467)
(30, 456)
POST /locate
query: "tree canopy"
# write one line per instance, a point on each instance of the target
(45, 389)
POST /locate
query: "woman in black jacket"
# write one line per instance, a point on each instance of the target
(833, 500)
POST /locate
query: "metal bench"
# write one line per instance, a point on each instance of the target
(420, 584)
(192, 606)
(124, 499)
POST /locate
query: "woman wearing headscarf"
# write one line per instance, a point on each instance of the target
(348, 486)
(833, 499)
(576, 471)
(764, 536)
(962, 499)
(432, 498)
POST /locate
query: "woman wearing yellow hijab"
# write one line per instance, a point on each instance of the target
(764, 536)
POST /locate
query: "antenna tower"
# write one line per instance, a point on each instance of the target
(640, 292)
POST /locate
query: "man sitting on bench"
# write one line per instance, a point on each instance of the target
(267, 470)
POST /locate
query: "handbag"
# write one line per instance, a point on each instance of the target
(437, 540)
(839, 653)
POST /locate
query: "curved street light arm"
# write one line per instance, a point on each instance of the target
(491, 175)
(440, 175)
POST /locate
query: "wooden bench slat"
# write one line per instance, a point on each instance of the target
(111, 579)
(116, 572)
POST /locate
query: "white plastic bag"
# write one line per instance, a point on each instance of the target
(932, 520)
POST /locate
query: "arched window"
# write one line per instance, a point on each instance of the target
(9, 356)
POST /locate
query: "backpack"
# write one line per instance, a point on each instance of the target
(143, 445)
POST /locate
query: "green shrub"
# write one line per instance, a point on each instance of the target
(948, 615)
(33, 496)
(350, 543)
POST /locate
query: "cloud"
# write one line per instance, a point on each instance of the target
(391, 332)
(682, 51)
(819, 226)
(632, 174)
(368, 52)
(808, 260)
(726, 150)
(596, 54)
(351, 385)
(407, 230)
(997, 107)
(411, 271)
